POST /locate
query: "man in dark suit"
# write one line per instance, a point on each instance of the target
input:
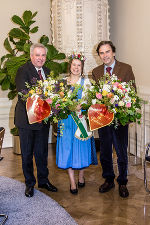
(33, 137)
(109, 136)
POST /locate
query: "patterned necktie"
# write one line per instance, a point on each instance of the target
(108, 69)
(40, 75)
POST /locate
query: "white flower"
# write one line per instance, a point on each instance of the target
(69, 93)
(45, 83)
(127, 98)
(112, 101)
(121, 103)
(91, 88)
(93, 101)
(128, 89)
(120, 91)
(114, 111)
(106, 87)
(115, 88)
(52, 81)
(113, 77)
(123, 84)
(116, 98)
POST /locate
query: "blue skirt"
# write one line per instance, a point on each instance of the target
(72, 152)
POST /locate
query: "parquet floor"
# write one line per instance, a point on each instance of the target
(90, 207)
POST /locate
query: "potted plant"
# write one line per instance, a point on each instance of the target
(18, 45)
(16, 144)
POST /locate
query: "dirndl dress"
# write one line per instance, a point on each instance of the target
(70, 151)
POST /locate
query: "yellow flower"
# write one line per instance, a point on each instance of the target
(39, 92)
(51, 73)
(61, 84)
(46, 93)
(134, 100)
(55, 120)
(49, 88)
(64, 99)
(31, 92)
(104, 93)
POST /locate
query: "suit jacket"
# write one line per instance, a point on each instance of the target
(122, 70)
(26, 74)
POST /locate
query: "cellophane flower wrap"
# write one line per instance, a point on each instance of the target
(57, 93)
(119, 97)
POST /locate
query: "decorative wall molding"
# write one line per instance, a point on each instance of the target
(79, 25)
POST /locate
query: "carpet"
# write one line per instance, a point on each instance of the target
(38, 210)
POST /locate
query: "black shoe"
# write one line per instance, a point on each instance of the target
(81, 184)
(123, 191)
(106, 187)
(73, 191)
(29, 191)
(48, 186)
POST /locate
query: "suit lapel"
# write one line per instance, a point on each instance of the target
(33, 71)
(101, 71)
(45, 71)
(116, 68)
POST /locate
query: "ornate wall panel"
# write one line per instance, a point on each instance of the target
(80, 25)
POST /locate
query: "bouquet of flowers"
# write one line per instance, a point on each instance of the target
(61, 98)
(119, 98)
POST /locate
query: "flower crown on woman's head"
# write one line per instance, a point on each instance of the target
(79, 56)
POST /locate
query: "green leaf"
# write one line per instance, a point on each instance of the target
(138, 116)
(44, 40)
(19, 34)
(20, 46)
(34, 30)
(8, 46)
(30, 23)
(5, 57)
(27, 16)
(2, 76)
(34, 14)
(52, 51)
(13, 64)
(12, 86)
(12, 40)
(26, 29)
(27, 47)
(12, 94)
(54, 66)
(18, 20)
(14, 131)
(64, 66)
(59, 56)
(5, 84)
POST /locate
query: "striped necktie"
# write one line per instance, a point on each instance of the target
(40, 75)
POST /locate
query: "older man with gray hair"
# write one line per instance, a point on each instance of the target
(33, 137)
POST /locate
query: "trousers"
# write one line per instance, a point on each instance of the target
(109, 137)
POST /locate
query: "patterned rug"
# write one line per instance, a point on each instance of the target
(38, 210)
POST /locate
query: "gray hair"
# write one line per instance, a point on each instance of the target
(37, 45)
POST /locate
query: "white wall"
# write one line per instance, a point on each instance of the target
(130, 32)
(17, 7)
(7, 10)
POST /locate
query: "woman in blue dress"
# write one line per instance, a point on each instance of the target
(72, 152)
